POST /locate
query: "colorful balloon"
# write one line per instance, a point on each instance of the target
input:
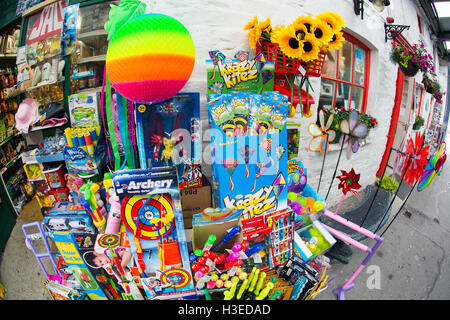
(150, 58)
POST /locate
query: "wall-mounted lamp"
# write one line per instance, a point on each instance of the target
(358, 7)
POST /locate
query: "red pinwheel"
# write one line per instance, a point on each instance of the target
(349, 181)
(417, 158)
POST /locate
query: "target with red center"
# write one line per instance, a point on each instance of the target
(178, 277)
(157, 207)
(109, 240)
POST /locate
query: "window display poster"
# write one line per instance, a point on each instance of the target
(69, 30)
(44, 32)
(359, 60)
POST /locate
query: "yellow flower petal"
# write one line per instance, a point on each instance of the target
(322, 31)
(307, 21)
(264, 24)
(251, 23)
(336, 41)
(311, 48)
(288, 42)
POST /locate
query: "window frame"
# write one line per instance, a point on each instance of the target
(336, 79)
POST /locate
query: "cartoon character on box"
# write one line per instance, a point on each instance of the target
(112, 256)
(151, 214)
(168, 133)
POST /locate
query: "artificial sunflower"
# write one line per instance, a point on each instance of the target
(336, 41)
(311, 48)
(307, 21)
(251, 23)
(300, 29)
(334, 20)
(264, 24)
(322, 31)
(288, 42)
(253, 36)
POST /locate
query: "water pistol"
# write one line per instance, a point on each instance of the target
(235, 230)
(89, 203)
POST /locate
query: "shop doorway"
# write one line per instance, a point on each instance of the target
(400, 124)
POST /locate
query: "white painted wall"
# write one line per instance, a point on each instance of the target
(218, 25)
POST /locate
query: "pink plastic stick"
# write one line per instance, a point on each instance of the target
(347, 239)
(353, 277)
(349, 224)
(339, 205)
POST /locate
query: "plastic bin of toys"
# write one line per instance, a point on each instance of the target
(55, 177)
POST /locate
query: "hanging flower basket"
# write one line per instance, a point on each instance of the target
(410, 71)
(286, 65)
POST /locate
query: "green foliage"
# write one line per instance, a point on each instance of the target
(388, 183)
(418, 123)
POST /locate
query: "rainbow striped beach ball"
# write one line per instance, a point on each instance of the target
(150, 58)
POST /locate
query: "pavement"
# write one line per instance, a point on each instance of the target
(412, 263)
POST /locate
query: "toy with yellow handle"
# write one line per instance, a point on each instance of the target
(264, 292)
(259, 284)
(254, 280)
(243, 287)
(229, 294)
(90, 207)
(95, 187)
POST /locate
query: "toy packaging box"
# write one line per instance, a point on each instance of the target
(308, 198)
(240, 73)
(249, 172)
(169, 133)
(68, 248)
(151, 213)
(312, 240)
(111, 261)
(81, 163)
(83, 109)
(217, 222)
(66, 217)
(310, 237)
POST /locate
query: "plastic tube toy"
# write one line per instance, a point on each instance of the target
(264, 292)
(210, 242)
(235, 230)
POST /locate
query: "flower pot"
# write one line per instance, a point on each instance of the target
(410, 71)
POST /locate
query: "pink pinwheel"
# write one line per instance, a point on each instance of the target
(352, 130)
(321, 135)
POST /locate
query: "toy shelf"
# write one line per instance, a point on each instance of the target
(8, 139)
(7, 56)
(99, 58)
(47, 127)
(10, 163)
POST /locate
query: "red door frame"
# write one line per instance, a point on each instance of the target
(394, 121)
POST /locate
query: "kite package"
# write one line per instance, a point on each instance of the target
(244, 114)
(249, 143)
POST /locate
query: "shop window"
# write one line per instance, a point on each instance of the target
(345, 76)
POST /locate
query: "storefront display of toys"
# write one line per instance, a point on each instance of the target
(249, 144)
